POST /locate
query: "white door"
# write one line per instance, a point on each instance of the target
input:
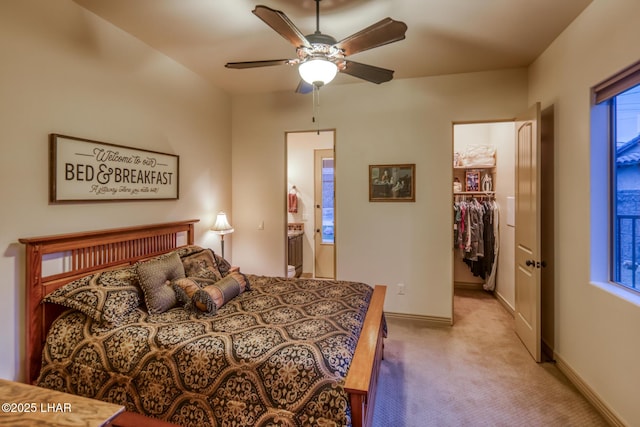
(324, 214)
(527, 231)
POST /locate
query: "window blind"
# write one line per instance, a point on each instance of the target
(625, 79)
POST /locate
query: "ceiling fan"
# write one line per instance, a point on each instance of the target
(320, 56)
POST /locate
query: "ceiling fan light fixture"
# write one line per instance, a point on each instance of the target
(320, 57)
(317, 71)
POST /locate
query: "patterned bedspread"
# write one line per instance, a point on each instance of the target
(275, 355)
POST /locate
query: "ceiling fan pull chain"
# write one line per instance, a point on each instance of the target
(313, 104)
(316, 106)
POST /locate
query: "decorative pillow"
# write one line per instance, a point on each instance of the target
(201, 264)
(223, 264)
(188, 250)
(185, 287)
(155, 280)
(220, 264)
(211, 297)
(106, 297)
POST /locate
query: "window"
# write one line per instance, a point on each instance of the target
(625, 120)
(621, 96)
(328, 192)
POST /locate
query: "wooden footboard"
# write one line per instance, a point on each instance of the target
(362, 380)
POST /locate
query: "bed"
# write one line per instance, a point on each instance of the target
(258, 380)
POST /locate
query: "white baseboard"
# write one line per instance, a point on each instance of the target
(431, 320)
(505, 304)
(608, 414)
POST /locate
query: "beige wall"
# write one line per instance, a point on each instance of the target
(403, 121)
(65, 71)
(596, 331)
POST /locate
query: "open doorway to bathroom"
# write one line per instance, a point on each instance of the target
(310, 207)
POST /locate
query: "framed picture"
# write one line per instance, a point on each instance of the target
(472, 180)
(85, 170)
(392, 183)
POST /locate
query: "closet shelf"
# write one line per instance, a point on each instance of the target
(475, 167)
(477, 193)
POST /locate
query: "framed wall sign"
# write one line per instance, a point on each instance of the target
(392, 183)
(85, 170)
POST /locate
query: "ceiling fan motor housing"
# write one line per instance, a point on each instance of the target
(322, 47)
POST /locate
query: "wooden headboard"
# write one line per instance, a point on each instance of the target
(85, 253)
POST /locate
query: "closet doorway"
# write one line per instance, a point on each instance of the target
(502, 136)
(484, 182)
(311, 209)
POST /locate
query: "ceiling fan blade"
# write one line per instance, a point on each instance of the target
(381, 33)
(255, 64)
(304, 87)
(367, 72)
(282, 25)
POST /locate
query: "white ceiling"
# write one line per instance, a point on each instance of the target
(443, 36)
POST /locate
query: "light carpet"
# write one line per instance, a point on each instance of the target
(475, 373)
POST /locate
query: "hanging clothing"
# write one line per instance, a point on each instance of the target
(476, 236)
(293, 201)
(490, 283)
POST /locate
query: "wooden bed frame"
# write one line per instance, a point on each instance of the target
(93, 251)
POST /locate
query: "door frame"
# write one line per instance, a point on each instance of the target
(318, 215)
(547, 249)
(505, 303)
(546, 130)
(309, 214)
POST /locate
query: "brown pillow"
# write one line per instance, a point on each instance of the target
(201, 264)
(106, 297)
(223, 265)
(185, 287)
(155, 280)
(211, 297)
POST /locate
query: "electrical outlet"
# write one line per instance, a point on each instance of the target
(400, 288)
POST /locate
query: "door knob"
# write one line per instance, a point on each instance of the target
(533, 263)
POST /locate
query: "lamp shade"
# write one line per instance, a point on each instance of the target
(317, 71)
(222, 225)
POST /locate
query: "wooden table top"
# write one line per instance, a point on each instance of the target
(27, 405)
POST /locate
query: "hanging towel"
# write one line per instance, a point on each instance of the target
(293, 202)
